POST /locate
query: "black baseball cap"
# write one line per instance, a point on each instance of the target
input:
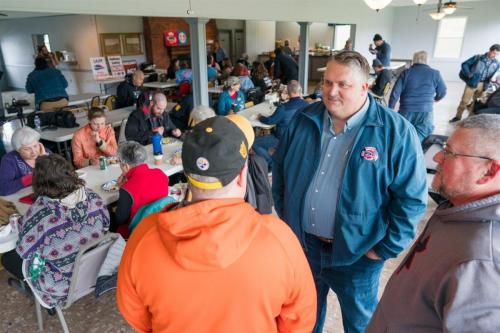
(217, 147)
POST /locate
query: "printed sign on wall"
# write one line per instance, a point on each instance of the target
(99, 67)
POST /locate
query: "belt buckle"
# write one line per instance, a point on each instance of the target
(325, 240)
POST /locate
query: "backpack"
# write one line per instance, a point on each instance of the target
(64, 119)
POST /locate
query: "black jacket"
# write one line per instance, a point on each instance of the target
(258, 188)
(127, 94)
(382, 79)
(140, 126)
(181, 111)
(285, 68)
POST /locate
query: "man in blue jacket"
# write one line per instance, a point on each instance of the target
(418, 87)
(281, 118)
(349, 179)
(476, 72)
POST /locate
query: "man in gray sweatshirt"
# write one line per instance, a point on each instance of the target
(450, 280)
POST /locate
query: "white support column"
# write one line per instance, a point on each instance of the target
(199, 60)
(304, 55)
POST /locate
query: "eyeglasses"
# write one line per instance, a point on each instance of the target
(448, 153)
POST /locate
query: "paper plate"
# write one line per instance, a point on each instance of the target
(110, 186)
(81, 173)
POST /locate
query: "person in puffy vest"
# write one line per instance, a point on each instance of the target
(139, 185)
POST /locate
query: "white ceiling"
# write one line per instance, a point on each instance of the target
(340, 8)
(400, 3)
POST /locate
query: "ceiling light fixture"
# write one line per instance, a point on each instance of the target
(437, 15)
(377, 4)
(449, 7)
(419, 2)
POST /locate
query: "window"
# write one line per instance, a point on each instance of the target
(450, 37)
(341, 35)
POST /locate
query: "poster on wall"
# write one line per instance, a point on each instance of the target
(182, 37)
(116, 65)
(99, 67)
(170, 38)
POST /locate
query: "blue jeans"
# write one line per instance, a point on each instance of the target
(262, 144)
(356, 285)
(422, 121)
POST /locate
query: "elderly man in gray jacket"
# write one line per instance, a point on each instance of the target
(450, 280)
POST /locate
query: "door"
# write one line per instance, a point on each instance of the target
(239, 44)
(225, 41)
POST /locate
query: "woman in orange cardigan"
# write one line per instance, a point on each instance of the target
(94, 140)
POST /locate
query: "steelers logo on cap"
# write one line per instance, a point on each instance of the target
(202, 163)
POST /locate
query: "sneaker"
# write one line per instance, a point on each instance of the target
(454, 119)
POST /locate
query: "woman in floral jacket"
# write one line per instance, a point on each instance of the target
(64, 217)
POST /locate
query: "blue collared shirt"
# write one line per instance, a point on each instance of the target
(320, 204)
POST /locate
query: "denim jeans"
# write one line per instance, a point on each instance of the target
(356, 285)
(262, 144)
(422, 121)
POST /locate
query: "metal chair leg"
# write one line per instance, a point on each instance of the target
(39, 317)
(62, 320)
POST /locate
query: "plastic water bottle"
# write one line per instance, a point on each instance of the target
(157, 149)
(38, 123)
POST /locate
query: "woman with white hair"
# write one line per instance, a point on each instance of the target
(232, 100)
(139, 185)
(16, 168)
(417, 88)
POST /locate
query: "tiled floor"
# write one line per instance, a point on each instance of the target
(17, 313)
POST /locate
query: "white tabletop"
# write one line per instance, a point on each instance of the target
(95, 177)
(216, 90)
(110, 79)
(72, 101)
(265, 108)
(8, 242)
(161, 85)
(113, 117)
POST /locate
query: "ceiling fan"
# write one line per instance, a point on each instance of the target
(444, 9)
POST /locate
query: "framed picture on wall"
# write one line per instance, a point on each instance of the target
(131, 43)
(110, 44)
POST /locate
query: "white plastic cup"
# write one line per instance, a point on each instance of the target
(158, 159)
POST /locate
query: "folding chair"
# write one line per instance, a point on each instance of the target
(110, 102)
(95, 102)
(382, 98)
(86, 267)
(122, 137)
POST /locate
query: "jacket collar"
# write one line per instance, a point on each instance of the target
(373, 117)
(137, 169)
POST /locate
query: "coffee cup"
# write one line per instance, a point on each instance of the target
(158, 159)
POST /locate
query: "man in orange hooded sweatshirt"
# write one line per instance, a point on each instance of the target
(215, 264)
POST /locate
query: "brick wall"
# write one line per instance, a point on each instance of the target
(156, 51)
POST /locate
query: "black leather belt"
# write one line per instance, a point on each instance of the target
(323, 239)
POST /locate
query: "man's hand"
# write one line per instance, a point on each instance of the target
(159, 130)
(372, 255)
(176, 132)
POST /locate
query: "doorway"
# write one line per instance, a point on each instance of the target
(225, 41)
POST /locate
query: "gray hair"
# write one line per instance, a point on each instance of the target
(132, 153)
(353, 60)
(24, 136)
(200, 113)
(232, 81)
(420, 57)
(294, 87)
(485, 140)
